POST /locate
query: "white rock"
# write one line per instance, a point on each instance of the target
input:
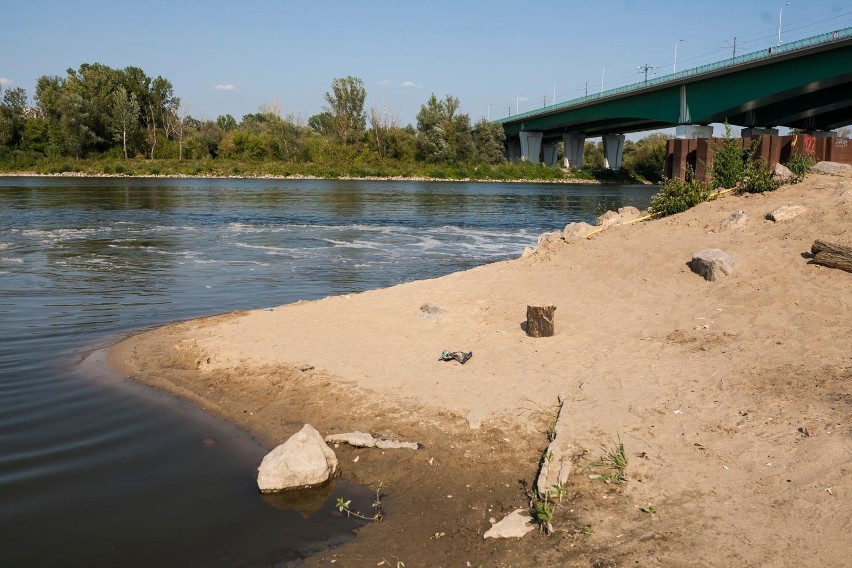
(607, 219)
(737, 220)
(785, 212)
(710, 263)
(527, 252)
(397, 445)
(782, 173)
(576, 230)
(547, 239)
(628, 213)
(515, 525)
(831, 168)
(304, 460)
(357, 439)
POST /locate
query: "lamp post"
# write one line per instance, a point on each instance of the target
(674, 67)
(603, 72)
(780, 15)
(554, 91)
(517, 102)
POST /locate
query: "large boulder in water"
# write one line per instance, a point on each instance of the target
(304, 460)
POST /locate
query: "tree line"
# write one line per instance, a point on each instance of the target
(100, 112)
(97, 110)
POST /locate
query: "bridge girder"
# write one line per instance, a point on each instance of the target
(790, 89)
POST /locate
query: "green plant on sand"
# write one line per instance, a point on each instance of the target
(378, 515)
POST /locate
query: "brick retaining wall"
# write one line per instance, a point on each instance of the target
(697, 154)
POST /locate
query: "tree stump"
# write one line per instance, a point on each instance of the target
(833, 255)
(540, 321)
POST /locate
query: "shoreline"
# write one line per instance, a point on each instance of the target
(307, 177)
(709, 385)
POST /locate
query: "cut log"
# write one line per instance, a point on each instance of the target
(832, 260)
(842, 250)
(833, 255)
(540, 321)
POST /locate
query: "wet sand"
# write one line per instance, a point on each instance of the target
(732, 398)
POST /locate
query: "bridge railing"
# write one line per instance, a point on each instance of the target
(775, 51)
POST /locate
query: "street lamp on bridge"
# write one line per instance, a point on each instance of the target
(674, 67)
(780, 14)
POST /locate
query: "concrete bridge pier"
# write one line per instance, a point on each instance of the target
(550, 152)
(513, 150)
(613, 147)
(574, 144)
(530, 146)
(755, 131)
(693, 131)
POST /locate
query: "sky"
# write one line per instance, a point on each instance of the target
(496, 56)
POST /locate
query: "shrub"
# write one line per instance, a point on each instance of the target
(728, 161)
(799, 164)
(756, 176)
(676, 196)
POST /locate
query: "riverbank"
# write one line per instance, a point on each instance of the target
(231, 169)
(732, 398)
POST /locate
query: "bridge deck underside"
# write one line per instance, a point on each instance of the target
(812, 91)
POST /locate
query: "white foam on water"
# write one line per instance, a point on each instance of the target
(12, 260)
(4, 246)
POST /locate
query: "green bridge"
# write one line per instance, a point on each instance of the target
(806, 84)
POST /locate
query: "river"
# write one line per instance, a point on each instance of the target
(96, 470)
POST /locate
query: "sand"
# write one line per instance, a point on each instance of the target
(732, 398)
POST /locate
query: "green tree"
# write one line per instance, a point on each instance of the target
(48, 93)
(226, 122)
(124, 116)
(74, 123)
(346, 105)
(489, 140)
(442, 134)
(322, 123)
(12, 116)
(647, 158)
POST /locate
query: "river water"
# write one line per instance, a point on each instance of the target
(98, 471)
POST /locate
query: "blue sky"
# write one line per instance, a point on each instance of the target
(231, 57)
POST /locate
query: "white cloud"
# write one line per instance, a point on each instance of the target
(385, 82)
(410, 85)
(226, 87)
(5, 81)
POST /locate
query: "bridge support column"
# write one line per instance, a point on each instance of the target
(574, 144)
(754, 131)
(822, 133)
(613, 146)
(513, 150)
(530, 146)
(693, 131)
(550, 151)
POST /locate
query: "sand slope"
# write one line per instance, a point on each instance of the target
(711, 386)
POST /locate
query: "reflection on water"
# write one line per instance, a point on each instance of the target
(96, 471)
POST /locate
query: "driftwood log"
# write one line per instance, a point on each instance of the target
(833, 255)
(540, 321)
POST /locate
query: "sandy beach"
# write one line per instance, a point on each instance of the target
(733, 398)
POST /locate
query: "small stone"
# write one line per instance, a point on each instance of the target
(782, 173)
(785, 212)
(607, 219)
(549, 239)
(357, 439)
(397, 445)
(576, 230)
(515, 525)
(831, 168)
(737, 220)
(304, 460)
(628, 213)
(710, 263)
